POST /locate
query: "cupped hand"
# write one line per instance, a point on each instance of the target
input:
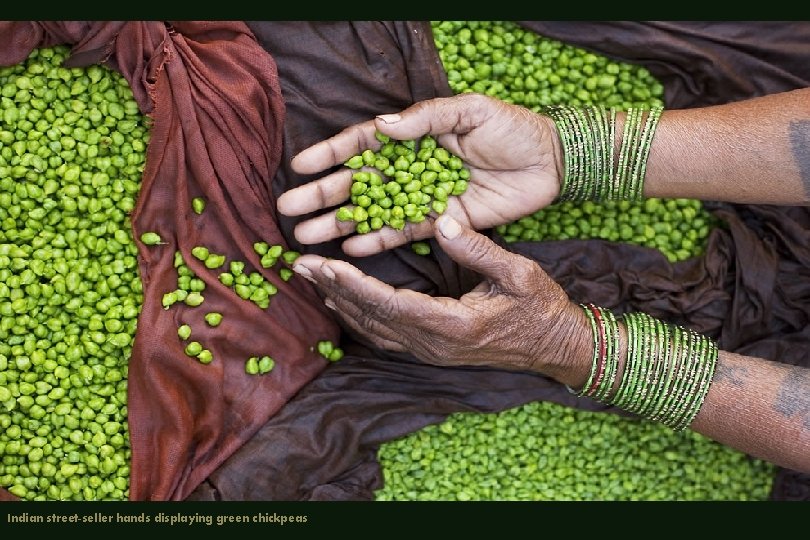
(511, 152)
(517, 318)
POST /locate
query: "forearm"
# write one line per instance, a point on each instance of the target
(761, 408)
(754, 151)
(754, 405)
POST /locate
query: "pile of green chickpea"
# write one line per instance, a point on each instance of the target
(544, 451)
(72, 148)
(403, 181)
(679, 229)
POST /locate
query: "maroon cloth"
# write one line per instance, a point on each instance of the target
(751, 291)
(214, 97)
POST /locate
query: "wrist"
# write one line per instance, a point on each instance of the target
(572, 366)
(599, 155)
(571, 363)
(557, 165)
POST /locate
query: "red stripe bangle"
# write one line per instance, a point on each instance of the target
(601, 341)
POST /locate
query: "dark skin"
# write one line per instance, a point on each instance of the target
(518, 318)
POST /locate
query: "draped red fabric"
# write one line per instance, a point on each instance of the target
(214, 98)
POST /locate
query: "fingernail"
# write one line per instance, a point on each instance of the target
(449, 227)
(328, 303)
(328, 272)
(389, 118)
(304, 272)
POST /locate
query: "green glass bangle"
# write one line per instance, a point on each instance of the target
(592, 169)
(611, 164)
(633, 324)
(646, 354)
(588, 156)
(663, 352)
(691, 371)
(672, 344)
(595, 360)
(570, 152)
(669, 415)
(615, 355)
(635, 139)
(703, 391)
(667, 372)
(648, 362)
(555, 113)
(610, 331)
(647, 139)
(591, 120)
(707, 364)
(680, 346)
(629, 119)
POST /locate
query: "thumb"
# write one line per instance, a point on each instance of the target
(458, 114)
(511, 272)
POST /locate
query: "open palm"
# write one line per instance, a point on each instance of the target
(512, 155)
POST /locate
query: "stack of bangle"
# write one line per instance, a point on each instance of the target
(667, 372)
(668, 369)
(592, 170)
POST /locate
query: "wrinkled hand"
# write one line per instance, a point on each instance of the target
(511, 152)
(517, 318)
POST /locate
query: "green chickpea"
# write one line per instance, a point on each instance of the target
(213, 319)
(198, 205)
(151, 239)
(420, 248)
(200, 252)
(285, 273)
(205, 356)
(252, 366)
(184, 332)
(193, 348)
(194, 299)
(265, 365)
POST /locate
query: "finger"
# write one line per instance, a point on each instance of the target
(363, 245)
(510, 272)
(375, 333)
(335, 150)
(323, 228)
(377, 299)
(458, 114)
(317, 195)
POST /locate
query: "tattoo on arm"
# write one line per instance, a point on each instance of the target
(800, 145)
(733, 375)
(794, 395)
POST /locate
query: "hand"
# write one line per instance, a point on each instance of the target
(517, 318)
(512, 153)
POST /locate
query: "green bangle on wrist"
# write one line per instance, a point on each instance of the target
(667, 372)
(592, 171)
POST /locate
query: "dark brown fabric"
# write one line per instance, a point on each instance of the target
(214, 97)
(751, 291)
(791, 486)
